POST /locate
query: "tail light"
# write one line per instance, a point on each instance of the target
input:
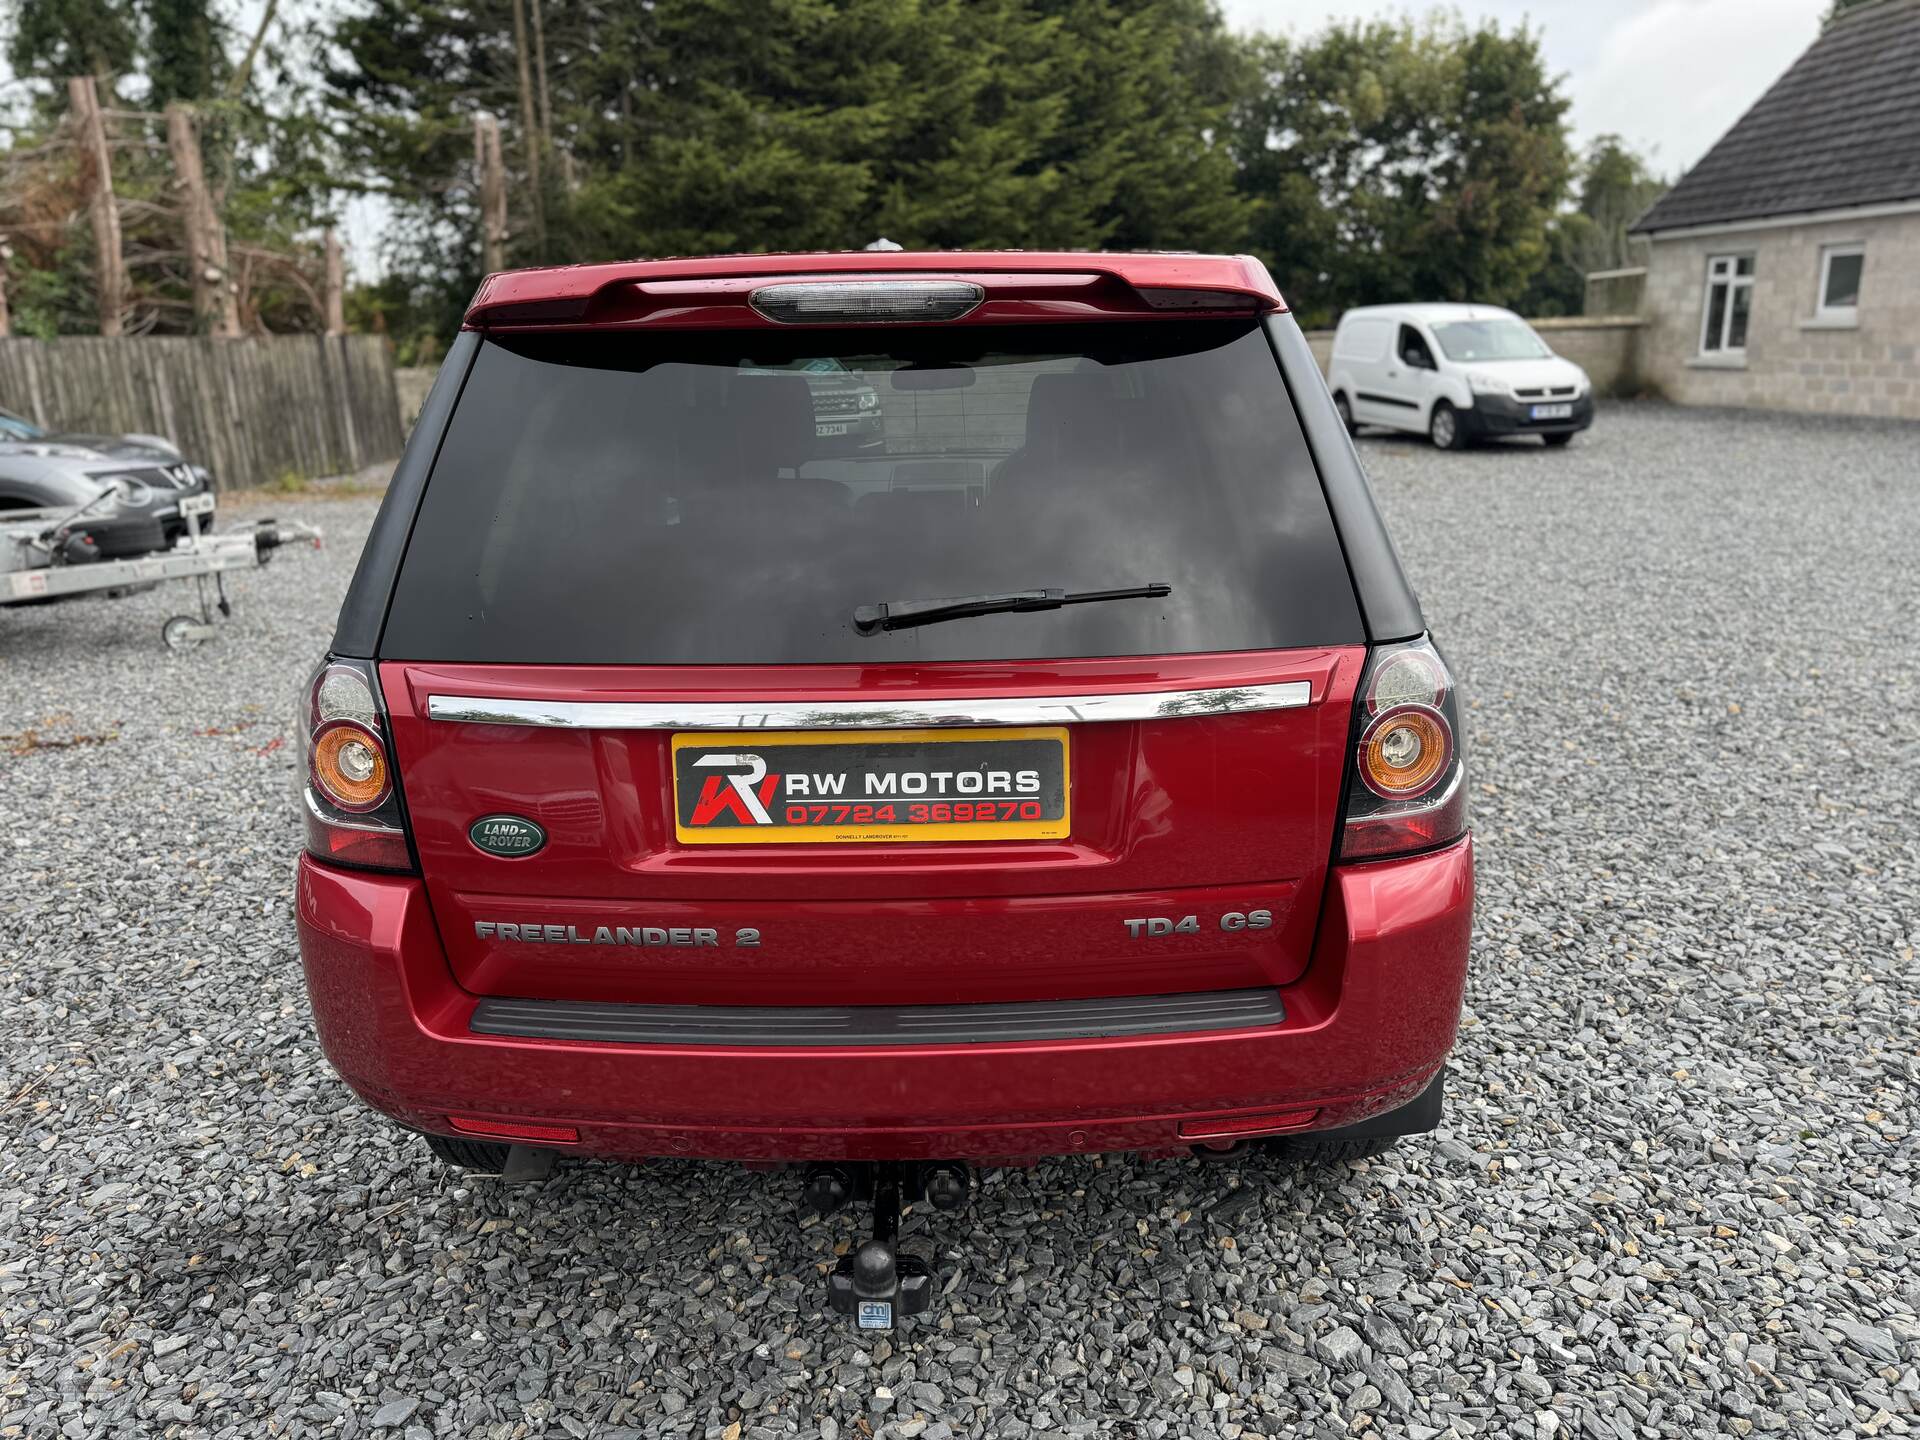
(1408, 788)
(351, 805)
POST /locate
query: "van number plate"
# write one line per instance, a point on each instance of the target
(871, 786)
(1553, 412)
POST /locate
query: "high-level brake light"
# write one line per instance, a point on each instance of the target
(836, 302)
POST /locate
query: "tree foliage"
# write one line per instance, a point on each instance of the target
(1391, 160)
(1615, 189)
(691, 126)
(73, 37)
(1366, 162)
(266, 160)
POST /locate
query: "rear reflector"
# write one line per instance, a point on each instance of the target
(836, 302)
(1237, 1127)
(512, 1130)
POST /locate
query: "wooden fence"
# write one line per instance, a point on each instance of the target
(251, 411)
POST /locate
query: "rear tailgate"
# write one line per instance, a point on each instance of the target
(1195, 857)
(637, 611)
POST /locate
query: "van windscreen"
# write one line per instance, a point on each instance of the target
(733, 497)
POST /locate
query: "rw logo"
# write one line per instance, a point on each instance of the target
(742, 792)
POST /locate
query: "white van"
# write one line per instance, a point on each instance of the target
(1459, 373)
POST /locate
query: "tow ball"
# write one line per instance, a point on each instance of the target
(876, 1285)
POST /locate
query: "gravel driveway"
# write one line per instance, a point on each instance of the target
(1674, 1194)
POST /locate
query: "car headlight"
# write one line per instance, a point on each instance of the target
(1488, 385)
(869, 400)
(129, 490)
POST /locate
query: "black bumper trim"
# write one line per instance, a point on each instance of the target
(601, 1022)
(1416, 1117)
(1494, 415)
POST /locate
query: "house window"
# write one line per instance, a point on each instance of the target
(1840, 270)
(1729, 300)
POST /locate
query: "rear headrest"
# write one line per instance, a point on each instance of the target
(771, 417)
(1071, 416)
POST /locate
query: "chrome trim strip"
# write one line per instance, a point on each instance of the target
(860, 715)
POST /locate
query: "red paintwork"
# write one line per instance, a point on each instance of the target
(700, 291)
(1193, 816)
(1370, 1021)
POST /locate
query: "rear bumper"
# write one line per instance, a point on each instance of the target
(1492, 416)
(1366, 1028)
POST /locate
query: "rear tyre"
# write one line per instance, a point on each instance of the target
(1444, 427)
(1346, 414)
(1305, 1150)
(483, 1157)
(1556, 442)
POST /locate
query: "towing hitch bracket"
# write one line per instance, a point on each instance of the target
(876, 1285)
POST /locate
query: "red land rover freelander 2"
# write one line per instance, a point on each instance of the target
(1062, 767)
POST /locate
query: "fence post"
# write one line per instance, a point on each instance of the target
(6, 316)
(213, 302)
(334, 284)
(110, 273)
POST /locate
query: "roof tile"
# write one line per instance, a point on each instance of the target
(1840, 128)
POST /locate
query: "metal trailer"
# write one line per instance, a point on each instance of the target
(31, 574)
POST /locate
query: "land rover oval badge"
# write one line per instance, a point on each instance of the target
(509, 836)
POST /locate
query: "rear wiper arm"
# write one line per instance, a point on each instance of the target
(901, 614)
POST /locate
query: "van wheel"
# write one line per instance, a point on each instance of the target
(1346, 414)
(1555, 442)
(1306, 1150)
(484, 1157)
(1444, 428)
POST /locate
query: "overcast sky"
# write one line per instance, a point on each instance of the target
(1670, 75)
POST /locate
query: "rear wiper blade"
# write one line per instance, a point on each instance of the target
(901, 614)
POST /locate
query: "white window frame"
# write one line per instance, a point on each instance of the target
(1839, 314)
(1725, 270)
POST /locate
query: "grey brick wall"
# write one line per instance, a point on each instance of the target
(1791, 363)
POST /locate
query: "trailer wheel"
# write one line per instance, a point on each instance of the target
(179, 633)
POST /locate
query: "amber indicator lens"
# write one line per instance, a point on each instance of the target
(349, 765)
(1405, 751)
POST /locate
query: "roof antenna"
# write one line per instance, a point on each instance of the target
(881, 244)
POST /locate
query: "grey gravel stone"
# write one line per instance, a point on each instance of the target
(394, 1413)
(1681, 1109)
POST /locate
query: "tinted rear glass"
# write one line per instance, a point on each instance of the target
(732, 497)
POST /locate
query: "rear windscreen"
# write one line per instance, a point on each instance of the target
(733, 497)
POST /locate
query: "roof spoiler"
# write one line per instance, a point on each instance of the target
(864, 287)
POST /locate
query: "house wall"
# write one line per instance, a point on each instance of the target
(1605, 346)
(1791, 364)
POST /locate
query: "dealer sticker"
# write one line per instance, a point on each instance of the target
(840, 786)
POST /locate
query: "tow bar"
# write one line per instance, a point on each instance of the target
(877, 1285)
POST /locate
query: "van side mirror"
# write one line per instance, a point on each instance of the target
(1418, 358)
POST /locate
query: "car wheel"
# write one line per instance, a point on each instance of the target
(1346, 414)
(484, 1157)
(1305, 1150)
(1556, 442)
(1444, 428)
